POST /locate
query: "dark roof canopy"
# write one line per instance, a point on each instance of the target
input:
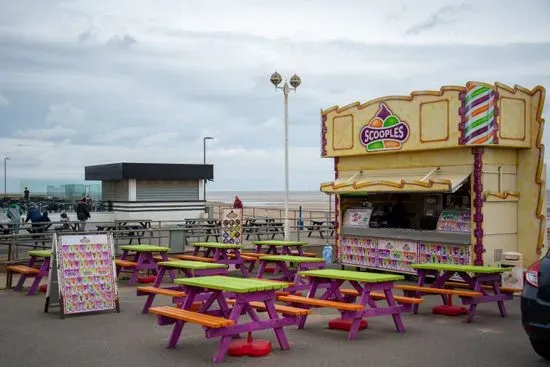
(149, 171)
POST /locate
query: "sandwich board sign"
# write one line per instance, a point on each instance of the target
(82, 274)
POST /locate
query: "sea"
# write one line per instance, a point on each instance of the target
(270, 198)
(277, 198)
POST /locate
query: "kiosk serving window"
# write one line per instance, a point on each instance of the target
(391, 230)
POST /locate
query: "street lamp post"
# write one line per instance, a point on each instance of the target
(5, 176)
(294, 82)
(204, 162)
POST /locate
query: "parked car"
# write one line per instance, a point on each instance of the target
(535, 306)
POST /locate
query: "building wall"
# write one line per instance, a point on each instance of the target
(167, 190)
(115, 190)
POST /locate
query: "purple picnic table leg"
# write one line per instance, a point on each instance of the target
(124, 256)
(279, 332)
(261, 269)
(178, 326)
(44, 269)
(226, 339)
(23, 277)
(172, 273)
(140, 262)
(477, 284)
(240, 262)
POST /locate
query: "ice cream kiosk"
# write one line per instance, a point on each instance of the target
(451, 176)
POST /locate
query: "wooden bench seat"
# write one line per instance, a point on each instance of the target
(144, 291)
(125, 263)
(285, 310)
(243, 257)
(467, 286)
(23, 269)
(253, 254)
(195, 258)
(321, 303)
(159, 258)
(174, 313)
(306, 254)
(380, 296)
(449, 292)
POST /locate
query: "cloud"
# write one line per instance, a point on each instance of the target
(132, 81)
(445, 15)
(3, 101)
(65, 115)
(123, 42)
(54, 133)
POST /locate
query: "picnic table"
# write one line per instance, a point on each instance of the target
(222, 253)
(321, 226)
(363, 284)
(289, 273)
(226, 322)
(142, 259)
(277, 247)
(483, 283)
(258, 227)
(135, 229)
(189, 268)
(30, 270)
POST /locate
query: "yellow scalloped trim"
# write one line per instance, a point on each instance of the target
(357, 105)
(502, 195)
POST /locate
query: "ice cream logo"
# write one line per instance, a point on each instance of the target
(384, 132)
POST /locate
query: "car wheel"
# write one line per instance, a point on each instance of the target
(541, 347)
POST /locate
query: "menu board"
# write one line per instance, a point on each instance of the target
(454, 221)
(232, 226)
(357, 217)
(86, 273)
(444, 254)
(397, 255)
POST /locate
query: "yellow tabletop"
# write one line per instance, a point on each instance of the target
(359, 276)
(40, 253)
(279, 243)
(459, 268)
(144, 248)
(231, 284)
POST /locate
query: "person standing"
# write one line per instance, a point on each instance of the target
(237, 204)
(82, 213)
(26, 193)
(14, 214)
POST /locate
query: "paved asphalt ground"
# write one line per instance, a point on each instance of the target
(29, 337)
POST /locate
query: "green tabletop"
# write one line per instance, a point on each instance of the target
(191, 265)
(462, 268)
(358, 276)
(294, 259)
(41, 253)
(279, 243)
(227, 246)
(144, 248)
(230, 284)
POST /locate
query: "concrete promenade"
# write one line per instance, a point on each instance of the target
(31, 338)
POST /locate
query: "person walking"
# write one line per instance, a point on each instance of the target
(82, 213)
(26, 193)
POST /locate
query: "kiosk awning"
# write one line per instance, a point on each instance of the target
(433, 179)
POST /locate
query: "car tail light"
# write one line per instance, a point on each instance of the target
(532, 274)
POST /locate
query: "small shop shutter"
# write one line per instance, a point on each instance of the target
(167, 190)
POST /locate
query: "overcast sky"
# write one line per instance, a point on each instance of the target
(89, 82)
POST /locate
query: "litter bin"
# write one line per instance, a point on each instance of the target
(513, 276)
(178, 239)
(209, 212)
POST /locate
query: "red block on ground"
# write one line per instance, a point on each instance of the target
(269, 269)
(147, 279)
(249, 347)
(345, 324)
(449, 310)
(43, 288)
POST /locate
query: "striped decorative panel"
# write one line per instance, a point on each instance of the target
(478, 113)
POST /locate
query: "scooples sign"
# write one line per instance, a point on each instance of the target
(384, 132)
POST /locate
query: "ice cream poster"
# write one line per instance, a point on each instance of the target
(86, 273)
(232, 226)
